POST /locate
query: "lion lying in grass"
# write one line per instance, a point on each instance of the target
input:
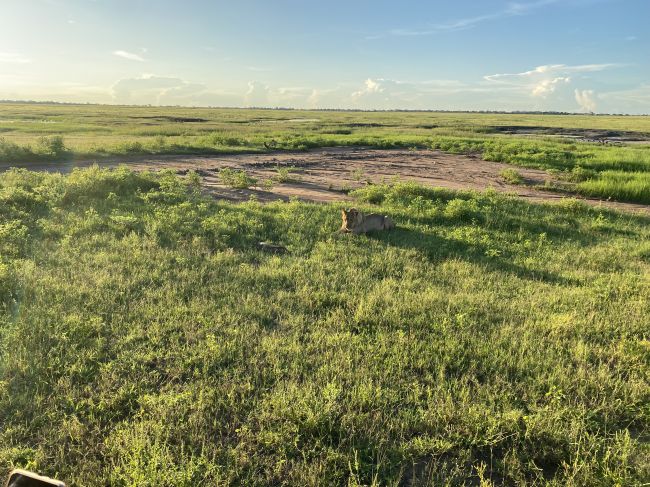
(357, 222)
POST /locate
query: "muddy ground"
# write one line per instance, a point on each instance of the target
(325, 175)
(619, 137)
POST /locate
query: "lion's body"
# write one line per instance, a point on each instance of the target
(357, 222)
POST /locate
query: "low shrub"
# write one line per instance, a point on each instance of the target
(238, 179)
(511, 176)
(51, 146)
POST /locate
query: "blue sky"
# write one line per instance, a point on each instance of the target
(569, 55)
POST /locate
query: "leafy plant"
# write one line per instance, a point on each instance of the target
(286, 174)
(511, 176)
(52, 145)
(238, 179)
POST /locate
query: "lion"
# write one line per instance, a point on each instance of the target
(357, 222)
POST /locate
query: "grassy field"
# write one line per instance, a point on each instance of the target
(144, 340)
(59, 132)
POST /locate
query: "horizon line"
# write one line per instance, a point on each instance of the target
(360, 110)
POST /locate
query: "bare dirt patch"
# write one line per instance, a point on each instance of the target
(581, 135)
(325, 175)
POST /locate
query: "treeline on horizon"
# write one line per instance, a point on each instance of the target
(361, 110)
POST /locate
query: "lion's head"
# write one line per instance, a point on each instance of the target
(351, 218)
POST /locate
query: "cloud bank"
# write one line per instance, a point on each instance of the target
(164, 90)
(551, 87)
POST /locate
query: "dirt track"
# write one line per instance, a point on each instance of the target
(324, 175)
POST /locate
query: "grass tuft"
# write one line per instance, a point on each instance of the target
(512, 176)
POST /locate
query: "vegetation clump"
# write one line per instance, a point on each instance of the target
(512, 176)
(286, 174)
(238, 179)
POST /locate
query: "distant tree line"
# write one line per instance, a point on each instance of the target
(394, 110)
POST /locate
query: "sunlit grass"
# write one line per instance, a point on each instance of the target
(630, 186)
(145, 340)
(97, 132)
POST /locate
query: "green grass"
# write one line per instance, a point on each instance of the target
(511, 176)
(238, 179)
(144, 340)
(630, 186)
(94, 132)
(286, 174)
(46, 148)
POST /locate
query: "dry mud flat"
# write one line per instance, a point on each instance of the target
(325, 175)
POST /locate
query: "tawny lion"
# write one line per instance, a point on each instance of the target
(356, 222)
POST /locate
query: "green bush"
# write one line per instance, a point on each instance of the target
(286, 174)
(511, 176)
(52, 146)
(579, 174)
(97, 184)
(238, 179)
(399, 193)
(226, 140)
(12, 152)
(459, 209)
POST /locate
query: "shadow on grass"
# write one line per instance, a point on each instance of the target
(438, 249)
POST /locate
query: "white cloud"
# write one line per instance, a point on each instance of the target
(520, 8)
(383, 93)
(547, 86)
(257, 94)
(550, 69)
(13, 58)
(513, 9)
(585, 99)
(291, 96)
(370, 86)
(259, 69)
(150, 89)
(543, 81)
(327, 97)
(466, 23)
(147, 89)
(129, 55)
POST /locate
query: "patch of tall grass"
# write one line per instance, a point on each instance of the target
(618, 185)
(46, 148)
(238, 179)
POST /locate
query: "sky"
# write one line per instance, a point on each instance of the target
(546, 55)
